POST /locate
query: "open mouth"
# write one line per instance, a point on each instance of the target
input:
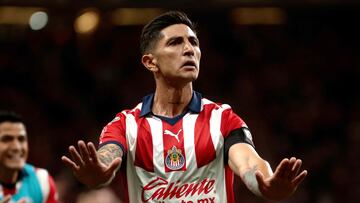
(190, 63)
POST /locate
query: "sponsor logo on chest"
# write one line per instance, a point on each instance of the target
(161, 190)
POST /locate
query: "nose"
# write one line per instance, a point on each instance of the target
(188, 49)
(15, 145)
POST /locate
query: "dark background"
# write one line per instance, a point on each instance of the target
(295, 84)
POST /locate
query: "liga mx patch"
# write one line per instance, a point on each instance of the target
(175, 159)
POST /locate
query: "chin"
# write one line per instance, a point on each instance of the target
(16, 166)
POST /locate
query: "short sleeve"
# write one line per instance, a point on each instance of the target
(230, 121)
(115, 132)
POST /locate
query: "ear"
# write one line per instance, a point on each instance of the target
(150, 63)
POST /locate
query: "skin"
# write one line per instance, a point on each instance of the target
(13, 152)
(175, 62)
(167, 61)
(257, 175)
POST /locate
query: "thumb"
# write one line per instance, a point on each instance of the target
(115, 165)
(260, 178)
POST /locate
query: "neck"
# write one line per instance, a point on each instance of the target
(171, 101)
(8, 176)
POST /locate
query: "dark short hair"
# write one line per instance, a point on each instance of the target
(151, 32)
(9, 116)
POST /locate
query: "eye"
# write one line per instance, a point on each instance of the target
(175, 41)
(6, 138)
(194, 41)
(22, 139)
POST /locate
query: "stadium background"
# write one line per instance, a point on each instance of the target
(290, 70)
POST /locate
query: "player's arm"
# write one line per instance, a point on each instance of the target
(92, 168)
(258, 176)
(107, 154)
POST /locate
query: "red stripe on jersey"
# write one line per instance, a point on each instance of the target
(174, 150)
(233, 122)
(229, 182)
(204, 146)
(144, 146)
(53, 196)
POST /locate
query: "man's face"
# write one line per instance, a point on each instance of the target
(13, 145)
(177, 54)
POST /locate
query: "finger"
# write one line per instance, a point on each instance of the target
(281, 168)
(115, 164)
(296, 168)
(300, 178)
(84, 152)
(92, 152)
(69, 163)
(75, 156)
(260, 178)
(287, 173)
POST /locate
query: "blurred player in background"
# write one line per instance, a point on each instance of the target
(19, 181)
(176, 146)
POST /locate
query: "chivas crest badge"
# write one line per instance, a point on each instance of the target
(174, 159)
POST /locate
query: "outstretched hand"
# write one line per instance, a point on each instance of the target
(87, 167)
(284, 181)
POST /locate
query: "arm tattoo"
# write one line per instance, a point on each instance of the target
(108, 153)
(251, 182)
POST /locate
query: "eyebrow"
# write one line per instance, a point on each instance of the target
(178, 37)
(12, 136)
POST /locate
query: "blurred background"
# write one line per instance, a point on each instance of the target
(290, 70)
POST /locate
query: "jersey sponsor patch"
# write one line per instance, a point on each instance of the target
(174, 159)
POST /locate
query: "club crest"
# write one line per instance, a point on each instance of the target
(174, 159)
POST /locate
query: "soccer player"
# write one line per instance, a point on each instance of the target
(177, 146)
(19, 181)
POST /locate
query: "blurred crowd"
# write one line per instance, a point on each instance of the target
(294, 84)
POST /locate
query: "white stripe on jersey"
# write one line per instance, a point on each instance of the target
(189, 121)
(158, 144)
(43, 177)
(131, 133)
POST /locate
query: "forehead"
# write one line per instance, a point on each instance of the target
(177, 30)
(10, 128)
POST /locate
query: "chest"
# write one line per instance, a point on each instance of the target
(193, 142)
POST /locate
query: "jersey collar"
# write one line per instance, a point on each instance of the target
(194, 105)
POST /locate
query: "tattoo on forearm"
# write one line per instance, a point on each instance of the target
(108, 153)
(251, 182)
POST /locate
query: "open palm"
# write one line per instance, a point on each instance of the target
(86, 166)
(284, 181)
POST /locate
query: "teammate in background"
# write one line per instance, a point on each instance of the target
(19, 181)
(175, 145)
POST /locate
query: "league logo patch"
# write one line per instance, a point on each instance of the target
(174, 159)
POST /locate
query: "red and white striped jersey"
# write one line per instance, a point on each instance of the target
(179, 162)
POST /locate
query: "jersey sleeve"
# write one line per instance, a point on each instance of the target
(115, 132)
(234, 130)
(233, 126)
(230, 121)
